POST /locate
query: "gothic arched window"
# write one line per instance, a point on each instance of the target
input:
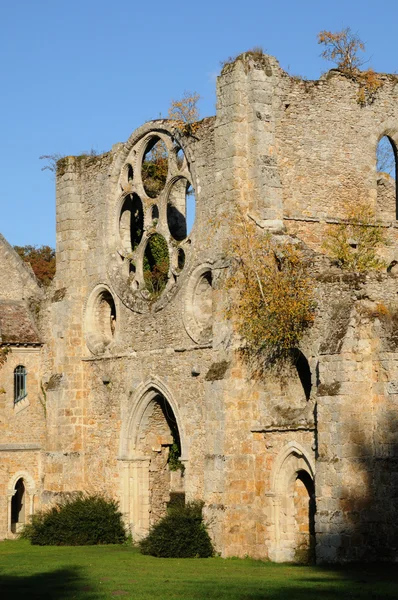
(386, 168)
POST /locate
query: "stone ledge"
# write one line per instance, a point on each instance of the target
(19, 447)
(139, 353)
(281, 428)
(337, 221)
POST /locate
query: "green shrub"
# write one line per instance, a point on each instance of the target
(180, 534)
(78, 521)
(354, 244)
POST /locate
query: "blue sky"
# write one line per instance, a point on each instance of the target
(84, 74)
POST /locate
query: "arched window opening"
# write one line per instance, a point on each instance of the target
(131, 222)
(154, 167)
(190, 199)
(179, 153)
(304, 515)
(18, 507)
(20, 390)
(156, 265)
(106, 316)
(203, 300)
(386, 167)
(303, 371)
(100, 319)
(181, 209)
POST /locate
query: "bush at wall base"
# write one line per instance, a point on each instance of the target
(80, 520)
(180, 534)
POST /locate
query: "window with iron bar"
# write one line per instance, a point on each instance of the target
(19, 383)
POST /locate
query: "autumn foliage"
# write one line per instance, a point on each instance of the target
(41, 259)
(271, 300)
(353, 244)
(185, 113)
(343, 48)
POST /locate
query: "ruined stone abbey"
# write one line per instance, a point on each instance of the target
(129, 382)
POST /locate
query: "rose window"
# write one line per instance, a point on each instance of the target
(155, 214)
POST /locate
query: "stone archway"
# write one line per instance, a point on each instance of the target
(293, 501)
(18, 508)
(21, 494)
(152, 458)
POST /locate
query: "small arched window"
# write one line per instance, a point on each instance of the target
(386, 167)
(19, 383)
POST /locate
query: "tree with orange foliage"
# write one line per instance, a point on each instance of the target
(41, 259)
(342, 48)
(185, 112)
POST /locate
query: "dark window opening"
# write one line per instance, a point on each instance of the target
(305, 505)
(303, 370)
(20, 392)
(131, 222)
(106, 316)
(180, 259)
(155, 214)
(18, 506)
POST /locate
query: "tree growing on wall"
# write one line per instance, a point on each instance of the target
(353, 244)
(41, 259)
(185, 113)
(271, 301)
(343, 48)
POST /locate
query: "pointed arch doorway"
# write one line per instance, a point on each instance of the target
(21, 493)
(293, 502)
(152, 458)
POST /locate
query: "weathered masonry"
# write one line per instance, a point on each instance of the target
(124, 378)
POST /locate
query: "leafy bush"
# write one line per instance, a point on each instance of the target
(353, 244)
(156, 265)
(180, 534)
(78, 521)
(271, 301)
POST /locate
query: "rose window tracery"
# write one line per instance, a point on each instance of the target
(155, 213)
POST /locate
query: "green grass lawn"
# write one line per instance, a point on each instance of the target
(92, 572)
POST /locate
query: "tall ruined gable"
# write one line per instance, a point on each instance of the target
(144, 393)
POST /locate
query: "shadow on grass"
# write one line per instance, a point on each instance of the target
(61, 584)
(359, 583)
